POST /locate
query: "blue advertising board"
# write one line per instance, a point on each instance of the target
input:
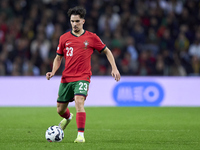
(138, 94)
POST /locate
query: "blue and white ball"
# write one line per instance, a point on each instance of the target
(54, 134)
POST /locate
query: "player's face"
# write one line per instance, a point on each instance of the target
(77, 23)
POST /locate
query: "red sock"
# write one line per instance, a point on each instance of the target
(66, 114)
(80, 121)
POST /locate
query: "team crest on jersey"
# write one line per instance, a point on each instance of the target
(86, 43)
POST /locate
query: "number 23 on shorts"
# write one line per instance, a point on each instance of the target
(82, 87)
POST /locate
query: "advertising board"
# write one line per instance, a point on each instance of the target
(104, 91)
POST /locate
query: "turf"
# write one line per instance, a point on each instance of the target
(107, 128)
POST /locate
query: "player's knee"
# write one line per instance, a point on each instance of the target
(60, 111)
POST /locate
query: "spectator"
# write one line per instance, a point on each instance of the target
(166, 41)
(133, 53)
(194, 49)
(181, 43)
(41, 45)
(195, 66)
(172, 6)
(160, 66)
(139, 35)
(109, 18)
(177, 69)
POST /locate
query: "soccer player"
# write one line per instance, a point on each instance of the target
(77, 47)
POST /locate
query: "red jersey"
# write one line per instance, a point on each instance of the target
(77, 52)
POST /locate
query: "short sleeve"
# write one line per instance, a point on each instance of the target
(60, 48)
(98, 44)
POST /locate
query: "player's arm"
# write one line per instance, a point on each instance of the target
(115, 73)
(56, 64)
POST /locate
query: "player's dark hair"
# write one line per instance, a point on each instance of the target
(78, 10)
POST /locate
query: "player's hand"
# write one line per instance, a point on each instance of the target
(115, 73)
(49, 75)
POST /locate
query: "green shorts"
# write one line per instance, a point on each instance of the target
(67, 91)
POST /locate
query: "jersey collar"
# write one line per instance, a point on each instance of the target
(76, 35)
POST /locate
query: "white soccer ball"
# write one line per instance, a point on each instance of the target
(54, 134)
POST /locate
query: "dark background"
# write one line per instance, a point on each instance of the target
(146, 37)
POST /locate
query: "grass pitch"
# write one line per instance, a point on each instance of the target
(107, 128)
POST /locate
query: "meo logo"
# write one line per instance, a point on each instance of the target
(138, 94)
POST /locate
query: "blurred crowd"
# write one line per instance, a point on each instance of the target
(146, 37)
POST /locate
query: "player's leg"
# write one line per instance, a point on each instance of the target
(64, 112)
(81, 89)
(65, 95)
(80, 118)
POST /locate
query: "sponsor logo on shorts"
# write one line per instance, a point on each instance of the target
(138, 94)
